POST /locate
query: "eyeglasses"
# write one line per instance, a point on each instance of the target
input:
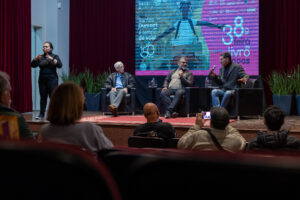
(46, 47)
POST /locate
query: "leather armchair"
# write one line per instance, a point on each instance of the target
(247, 100)
(189, 104)
(127, 105)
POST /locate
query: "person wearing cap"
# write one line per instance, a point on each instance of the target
(119, 83)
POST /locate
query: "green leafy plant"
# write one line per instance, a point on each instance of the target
(92, 83)
(88, 78)
(100, 80)
(280, 83)
(296, 80)
(73, 76)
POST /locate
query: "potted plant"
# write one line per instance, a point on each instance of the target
(296, 85)
(93, 85)
(92, 95)
(73, 76)
(282, 88)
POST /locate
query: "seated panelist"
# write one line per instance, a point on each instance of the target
(119, 83)
(230, 75)
(174, 84)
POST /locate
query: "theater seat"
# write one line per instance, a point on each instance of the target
(142, 142)
(49, 171)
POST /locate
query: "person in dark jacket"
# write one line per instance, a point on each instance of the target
(174, 84)
(6, 110)
(119, 83)
(230, 76)
(154, 127)
(274, 138)
(48, 79)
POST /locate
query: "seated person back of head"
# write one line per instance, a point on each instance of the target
(65, 111)
(153, 127)
(5, 109)
(228, 137)
(273, 138)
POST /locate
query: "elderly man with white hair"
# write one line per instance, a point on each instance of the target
(119, 83)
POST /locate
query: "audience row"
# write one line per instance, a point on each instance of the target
(66, 108)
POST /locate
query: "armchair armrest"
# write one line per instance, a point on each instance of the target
(132, 98)
(103, 99)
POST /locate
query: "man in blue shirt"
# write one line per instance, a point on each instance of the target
(119, 83)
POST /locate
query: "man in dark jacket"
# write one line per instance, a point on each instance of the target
(154, 127)
(119, 83)
(230, 76)
(5, 102)
(273, 138)
(175, 83)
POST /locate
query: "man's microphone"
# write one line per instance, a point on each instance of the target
(214, 67)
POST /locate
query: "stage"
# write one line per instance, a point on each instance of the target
(119, 129)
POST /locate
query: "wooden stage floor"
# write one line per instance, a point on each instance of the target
(119, 132)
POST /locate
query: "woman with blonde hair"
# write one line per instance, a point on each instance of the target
(65, 110)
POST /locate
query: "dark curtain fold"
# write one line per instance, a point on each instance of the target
(279, 37)
(15, 50)
(101, 33)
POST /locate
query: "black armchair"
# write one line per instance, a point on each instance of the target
(247, 100)
(127, 105)
(189, 104)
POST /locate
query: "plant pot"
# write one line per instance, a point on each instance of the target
(298, 103)
(92, 101)
(284, 102)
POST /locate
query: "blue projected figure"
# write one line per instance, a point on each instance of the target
(185, 41)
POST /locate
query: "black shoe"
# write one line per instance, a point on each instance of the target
(113, 110)
(167, 115)
(40, 117)
(174, 114)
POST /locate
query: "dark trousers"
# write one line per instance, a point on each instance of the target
(47, 83)
(166, 100)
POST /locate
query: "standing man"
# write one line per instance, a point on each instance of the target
(48, 79)
(230, 76)
(175, 83)
(119, 83)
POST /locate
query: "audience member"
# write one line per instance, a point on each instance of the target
(5, 109)
(221, 135)
(274, 138)
(119, 83)
(65, 110)
(153, 127)
(230, 75)
(174, 84)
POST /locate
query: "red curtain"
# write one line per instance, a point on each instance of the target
(101, 33)
(15, 50)
(279, 37)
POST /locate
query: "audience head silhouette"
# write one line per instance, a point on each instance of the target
(5, 89)
(151, 112)
(219, 117)
(66, 104)
(274, 118)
